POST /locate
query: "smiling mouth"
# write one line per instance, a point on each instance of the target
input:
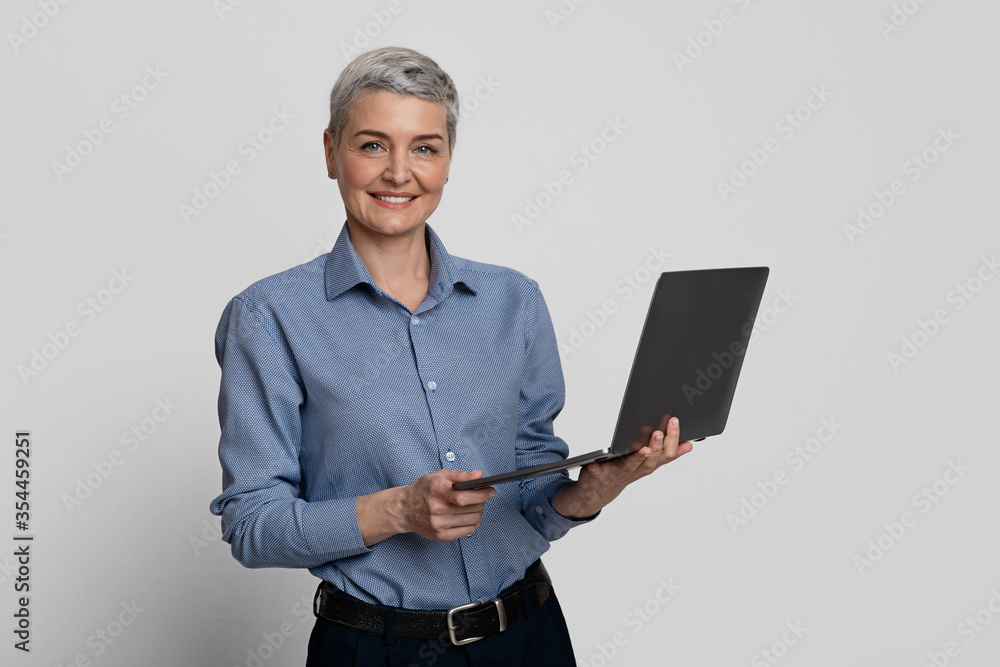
(393, 200)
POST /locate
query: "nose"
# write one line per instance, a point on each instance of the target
(397, 171)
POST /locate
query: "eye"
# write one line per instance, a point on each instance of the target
(426, 150)
(371, 147)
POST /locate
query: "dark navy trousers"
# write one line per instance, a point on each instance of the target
(541, 638)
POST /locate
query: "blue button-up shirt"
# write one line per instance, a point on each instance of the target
(332, 389)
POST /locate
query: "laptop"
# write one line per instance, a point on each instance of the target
(686, 365)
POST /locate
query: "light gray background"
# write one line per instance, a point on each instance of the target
(835, 308)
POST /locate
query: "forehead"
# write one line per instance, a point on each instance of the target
(397, 115)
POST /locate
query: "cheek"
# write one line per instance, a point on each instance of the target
(358, 177)
(432, 175)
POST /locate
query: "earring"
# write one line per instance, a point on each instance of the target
(446, 180)
(330, 174)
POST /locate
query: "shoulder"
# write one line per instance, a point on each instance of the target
(492, 277)
(267, 299)
(500, 289)
(297, 281)
(291, 287)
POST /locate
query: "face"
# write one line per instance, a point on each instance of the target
(391, 163)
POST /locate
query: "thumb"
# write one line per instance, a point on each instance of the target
(461, 475)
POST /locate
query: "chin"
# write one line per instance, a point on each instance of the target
(391, 227)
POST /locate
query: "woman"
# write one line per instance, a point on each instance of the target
(358, 387)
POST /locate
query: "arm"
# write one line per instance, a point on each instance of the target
(600, 483)
(263, 517)
(542, 398)
(428, 507)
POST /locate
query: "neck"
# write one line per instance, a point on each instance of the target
(397, 264)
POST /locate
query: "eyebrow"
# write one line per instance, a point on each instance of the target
(383, 135)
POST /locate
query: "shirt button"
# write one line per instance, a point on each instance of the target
(414, 320)
(432, 385)
(539, 510)
(450, 455)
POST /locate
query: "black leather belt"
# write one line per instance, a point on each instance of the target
(462, 624)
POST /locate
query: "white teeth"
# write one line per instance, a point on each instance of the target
(395, 200)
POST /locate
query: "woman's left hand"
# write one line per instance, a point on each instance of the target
(600, 483)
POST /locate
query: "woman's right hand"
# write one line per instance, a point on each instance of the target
(429, 507)
(432, 509)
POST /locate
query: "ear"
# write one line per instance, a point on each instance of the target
(328, 149)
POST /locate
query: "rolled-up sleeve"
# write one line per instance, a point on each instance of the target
(543, 394)
(264, 518)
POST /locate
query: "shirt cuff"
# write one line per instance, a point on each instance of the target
(331, 528)
(544, 517)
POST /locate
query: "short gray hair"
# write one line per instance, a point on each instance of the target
(396, 70)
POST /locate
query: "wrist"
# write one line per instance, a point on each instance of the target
(381, 515)
(395, 510)
(574, 503)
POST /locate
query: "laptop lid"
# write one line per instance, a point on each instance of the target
(686, 365)
(690, 354)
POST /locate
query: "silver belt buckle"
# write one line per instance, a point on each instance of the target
(501, 614)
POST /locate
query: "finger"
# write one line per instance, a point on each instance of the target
(458, 475)
(632, 462)
(467, 497)
(664, 445)
(672, 436)
(456, 533)
(656, 442)
(650, 455)
(469, 519)
(470, 516)
(444, 478)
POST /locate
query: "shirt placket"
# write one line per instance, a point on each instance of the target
(451, 452)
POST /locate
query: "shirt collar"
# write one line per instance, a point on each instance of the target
(344, 269)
